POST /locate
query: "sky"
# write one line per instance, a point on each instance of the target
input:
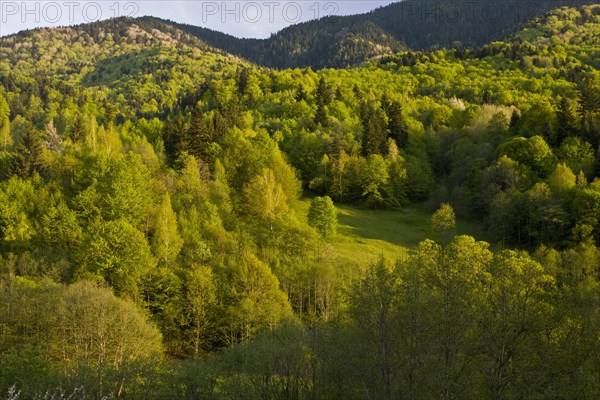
(244, 18)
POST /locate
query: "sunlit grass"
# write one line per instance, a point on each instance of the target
(365, 235)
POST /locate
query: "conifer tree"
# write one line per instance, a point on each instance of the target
(567, 120)
(324, 96)
(29, 151)
(325, 92)
(242, 80)
(321, 115)
(374, 140)
(589, 91)
(78, 129)
(396, 126)
(174, 136)
(109, 116)
(300, 93)
(199, 135)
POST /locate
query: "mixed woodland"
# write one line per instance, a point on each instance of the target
(153, 242)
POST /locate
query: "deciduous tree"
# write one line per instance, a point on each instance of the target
(322, 215)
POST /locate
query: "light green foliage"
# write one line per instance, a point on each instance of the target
(82, 325)
(93, 315)
(202, 299)
(189, 190)
(195, 248)
(374, 177)
(322, 215)
(561, 179)
(14, 213)
(5, 137)
(257, 303)
(241, 160)
(113, 188)
(31, 210)
(166, 242)
(444, 218)
(285, 174)
(492, 118)
(397, 187)
(266, 199)
(117, 253)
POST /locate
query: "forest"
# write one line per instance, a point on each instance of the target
(340, 41)
(177, 222)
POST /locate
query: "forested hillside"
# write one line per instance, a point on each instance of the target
(177, 222)
(341, 41)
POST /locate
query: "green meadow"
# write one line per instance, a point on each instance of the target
(364, 235)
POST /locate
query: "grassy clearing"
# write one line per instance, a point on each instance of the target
(365, 235)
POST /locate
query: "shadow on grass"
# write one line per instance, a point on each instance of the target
(403, 227)
(406, 227)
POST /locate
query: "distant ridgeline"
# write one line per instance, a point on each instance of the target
(340, 41)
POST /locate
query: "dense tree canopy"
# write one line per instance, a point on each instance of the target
(157, 241)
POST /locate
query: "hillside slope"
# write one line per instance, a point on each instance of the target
(151, 63)
(415, 24)
(137, 156)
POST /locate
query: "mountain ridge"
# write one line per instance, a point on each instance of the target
(340, 41)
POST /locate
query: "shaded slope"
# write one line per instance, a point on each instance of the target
(416, 24)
